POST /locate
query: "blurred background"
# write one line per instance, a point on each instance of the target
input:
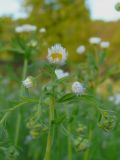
(69, 22)
(27, 29)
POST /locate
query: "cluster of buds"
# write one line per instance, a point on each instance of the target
(35, 128)
(81, 129)
(11, 153)
(81, 142)
(107, 121)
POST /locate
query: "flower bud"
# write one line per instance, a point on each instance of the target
(78, 88)
(28, 82)
(81, 128)
(107, 122)
(82, 144)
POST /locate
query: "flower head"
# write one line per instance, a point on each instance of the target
(78, 88)
(81, 49)
(42, 30)
(61, 74)
(33, 43)
(105, 44)
(95, 40)
(28, 83)
(57, 54)
(25, 28)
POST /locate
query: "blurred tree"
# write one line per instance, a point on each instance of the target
(66, 21)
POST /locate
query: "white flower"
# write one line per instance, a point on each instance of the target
(95, 40)
(28, 83)
(61, 74)
(32, 43)
(105, 44)
(57, 54)
(115, 99)
(25, 28)
(42, 30)
(81, 49)
(78, 88)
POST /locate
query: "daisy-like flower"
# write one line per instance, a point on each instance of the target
(78, 88)
(95, 40)
(25, 28)
(81, 49)
(57, 54)
(28, 83)
(42, 30)
(105, 44)
(60, 73)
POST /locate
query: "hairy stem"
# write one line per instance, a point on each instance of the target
(51, 131)
(87, 153)
(19, 116)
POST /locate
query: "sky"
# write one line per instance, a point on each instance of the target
(104, 9)
(11, 7)
(100, 9)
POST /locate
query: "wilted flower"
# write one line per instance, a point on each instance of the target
(25, 28)
(57, 54)
(105, 44)
(78, 88)
(95, 40)
(42, 30)
(28, 83)
(61, 74)
(81, 49)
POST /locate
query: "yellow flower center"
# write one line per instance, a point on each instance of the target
(56, 56)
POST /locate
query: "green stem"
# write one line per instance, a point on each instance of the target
(69, 139)
(51, 131)
(69, 145)
(86, 155)
(19, 116)
(25, 66)
(17, 129)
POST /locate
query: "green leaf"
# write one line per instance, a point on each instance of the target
(70, 97)
(67, 98)
(13, 50)
(60, 119)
